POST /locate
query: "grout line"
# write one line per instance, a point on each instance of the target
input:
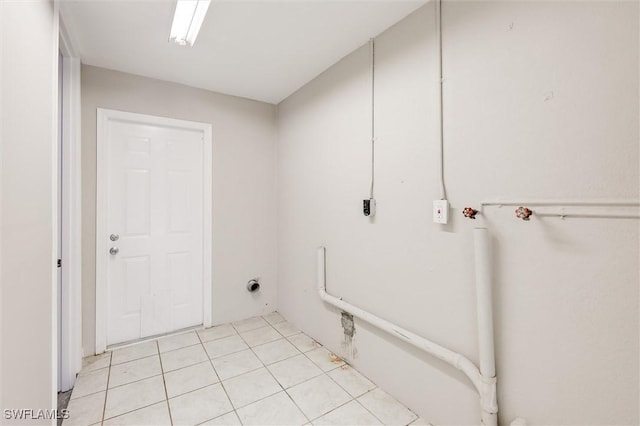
(90, 368)
(193, 390)
(84, 396)
(314, 343)
(257, 400)
(272, 341)
(282, 334)
(282, 386)
(136, 359)
(326, 373)
(275, 379)
(189, 366)
(278, 331)
(133, 411)
(217, 339)
(274, 312)
(136, 381)
(218, 376)
(342, 387)
(242, 374)
(345, 389)
(297, 406)
(154, 338)
(352, 398)
(264, 365)
(283, 359)
(313, 378)
(217, 417)
(164, 383)
(251, 329)
(317, 365)
(306, 380)
(259, 328)
(366, 409)
(222, 356)
(177, 349)
(334, 409)
(106, 391)
(201, 387)
(235, 333)
(363, 406)
(88, 373)
(382, 390)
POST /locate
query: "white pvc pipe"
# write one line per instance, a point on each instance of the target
(558, 202)
(434, 349)
(485, 385)
(603, 203)
(588, 215)
(484, 306)
(483, 302)
(443, 190)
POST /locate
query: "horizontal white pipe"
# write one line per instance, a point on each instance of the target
(434, 349)
(560, 202)
(484, 385)
(589, 215)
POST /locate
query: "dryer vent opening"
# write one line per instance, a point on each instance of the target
(253, 286)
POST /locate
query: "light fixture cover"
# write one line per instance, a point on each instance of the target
(187, 20)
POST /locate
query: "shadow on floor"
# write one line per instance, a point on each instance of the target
(63, 401)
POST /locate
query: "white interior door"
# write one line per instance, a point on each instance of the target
(154, 229)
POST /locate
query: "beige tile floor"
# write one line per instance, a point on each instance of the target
(259, 371)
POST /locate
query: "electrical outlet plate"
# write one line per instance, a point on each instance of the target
(440, 211)
(369, 207)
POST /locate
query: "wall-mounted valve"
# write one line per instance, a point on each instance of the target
(469, 212)
(523, 213)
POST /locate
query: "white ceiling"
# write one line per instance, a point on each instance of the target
(260, 49)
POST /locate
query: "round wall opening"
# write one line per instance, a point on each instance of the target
(253, 286)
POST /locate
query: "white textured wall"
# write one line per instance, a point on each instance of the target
(541, 101)
(28, 90)
(244, 202)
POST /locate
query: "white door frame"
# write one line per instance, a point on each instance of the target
(102, 246)
(71, 297)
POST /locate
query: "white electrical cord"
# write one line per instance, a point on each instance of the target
(443, 191)
(373, 112)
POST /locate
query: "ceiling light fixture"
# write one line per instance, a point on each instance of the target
(187, 20)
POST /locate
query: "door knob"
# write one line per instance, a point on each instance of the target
(114, 237)
(114, 250)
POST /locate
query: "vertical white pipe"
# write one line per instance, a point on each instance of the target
(443, 190)
(484, 302)
(372, 44)
(484, 308)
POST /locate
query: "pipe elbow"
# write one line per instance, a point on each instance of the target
(323, 295)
